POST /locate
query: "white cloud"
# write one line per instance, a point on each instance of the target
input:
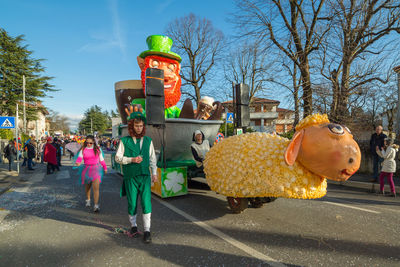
(163, 6)
(104, 40)
(74, 120)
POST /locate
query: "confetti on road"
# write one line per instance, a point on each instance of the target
(63, 175)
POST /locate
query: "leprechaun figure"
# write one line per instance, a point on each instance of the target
(136, 155)
(160, 56)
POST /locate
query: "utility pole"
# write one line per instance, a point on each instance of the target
(16, 139)
(23, 95)
(397, 70)
(91, 125)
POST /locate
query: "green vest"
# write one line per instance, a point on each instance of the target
(133, 150)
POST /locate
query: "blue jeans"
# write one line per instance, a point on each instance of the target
(377, 161)
(29, 163)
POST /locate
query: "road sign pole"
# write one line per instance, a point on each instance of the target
(16, 139)
(226, 121)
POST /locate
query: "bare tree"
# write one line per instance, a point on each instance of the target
(352, 55)
(287, 76)
(248, 64)
(58, 122)
(322, 96)
(200, 44)
(389, 103)
(296, 27)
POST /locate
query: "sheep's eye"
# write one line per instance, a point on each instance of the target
(336, 128)
(347, 129)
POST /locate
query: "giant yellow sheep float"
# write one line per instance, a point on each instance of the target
(261, 166)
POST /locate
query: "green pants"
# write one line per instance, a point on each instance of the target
(135, 187)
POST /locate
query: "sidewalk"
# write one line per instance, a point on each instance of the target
(362, 180)
(9, 178)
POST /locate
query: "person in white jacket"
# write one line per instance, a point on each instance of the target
(388, 153)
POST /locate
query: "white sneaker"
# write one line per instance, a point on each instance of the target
(87, 202)
(96, 208)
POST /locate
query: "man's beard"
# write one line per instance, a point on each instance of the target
(172, 95)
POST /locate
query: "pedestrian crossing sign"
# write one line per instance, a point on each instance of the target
(229, 117)
(7, 122)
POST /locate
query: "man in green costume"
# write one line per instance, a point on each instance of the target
(136, 155)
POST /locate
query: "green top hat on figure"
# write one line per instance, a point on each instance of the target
(137, 115)
(160, 45)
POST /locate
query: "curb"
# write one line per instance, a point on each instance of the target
(364, 185)
(5, 189)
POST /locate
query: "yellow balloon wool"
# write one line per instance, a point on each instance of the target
(253, 165)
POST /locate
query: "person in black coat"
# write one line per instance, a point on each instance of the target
(377, 142)
(10, 153)
(31, 154)
(57, 145)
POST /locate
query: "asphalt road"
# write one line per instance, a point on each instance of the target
(43, 222)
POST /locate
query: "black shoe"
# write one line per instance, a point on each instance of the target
(134, 232)
(147, 237)
(391, 195)
(31, 169)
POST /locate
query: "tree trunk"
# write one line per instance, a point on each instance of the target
(198, 96)
(342, 112)
(295, 96)
(306, 85)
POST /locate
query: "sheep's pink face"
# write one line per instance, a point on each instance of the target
(330, 151)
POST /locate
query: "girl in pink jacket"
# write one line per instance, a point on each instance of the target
(91, 174)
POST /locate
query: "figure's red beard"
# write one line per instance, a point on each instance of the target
(172, 90)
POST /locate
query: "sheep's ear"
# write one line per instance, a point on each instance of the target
(141, 62)
(293, 148)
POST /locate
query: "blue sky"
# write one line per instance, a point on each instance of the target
(90, 45)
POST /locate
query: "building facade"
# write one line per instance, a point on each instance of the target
(266, 116)
(39, 127)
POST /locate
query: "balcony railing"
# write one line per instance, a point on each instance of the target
(260, 115)
(264, 115)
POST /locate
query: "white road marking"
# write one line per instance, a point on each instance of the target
(63, 175)
(351, 207)
(252, 252)
(37, 177)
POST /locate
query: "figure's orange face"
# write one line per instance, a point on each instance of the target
(328, 150)
(172, 79)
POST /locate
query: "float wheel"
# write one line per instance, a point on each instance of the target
(237, 204)
(256, 202)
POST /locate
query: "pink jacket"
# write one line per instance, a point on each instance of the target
(89, 158)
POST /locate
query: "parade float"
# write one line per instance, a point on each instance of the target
(253, 167)
(172, 136)
(259, 167)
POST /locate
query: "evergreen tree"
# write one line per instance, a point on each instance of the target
(114, 114)
(15, 61)
(94, 119)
